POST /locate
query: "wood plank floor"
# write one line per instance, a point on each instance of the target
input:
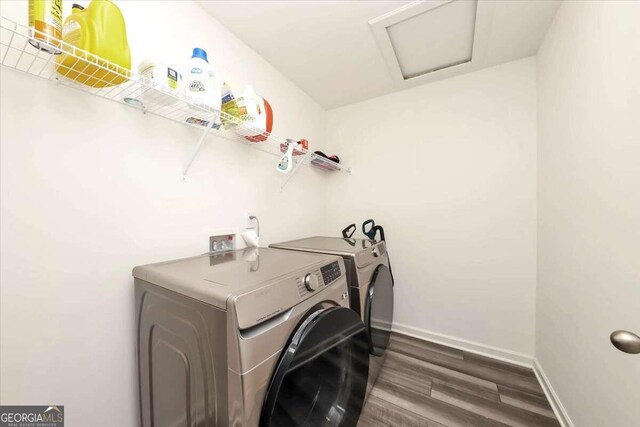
(427, 384)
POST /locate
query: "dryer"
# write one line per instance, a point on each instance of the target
(371, 284)
(246, 338)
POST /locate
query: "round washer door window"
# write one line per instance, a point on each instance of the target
(379, 310)
(321, 378)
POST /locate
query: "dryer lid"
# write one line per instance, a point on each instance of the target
(363, 251)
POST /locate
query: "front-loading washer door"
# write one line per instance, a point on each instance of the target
(378, 314)
(321, 378)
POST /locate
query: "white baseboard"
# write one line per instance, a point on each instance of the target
(552, 397)
(470, 346)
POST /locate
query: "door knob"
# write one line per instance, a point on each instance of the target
(626, 341)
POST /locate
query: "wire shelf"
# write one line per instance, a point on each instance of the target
(87, 72)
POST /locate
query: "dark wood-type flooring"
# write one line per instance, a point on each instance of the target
(426, 384)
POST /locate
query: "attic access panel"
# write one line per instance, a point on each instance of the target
(424, 37)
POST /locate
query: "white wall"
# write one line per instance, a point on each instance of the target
(589, 209)
(449, 170)
(91, 188)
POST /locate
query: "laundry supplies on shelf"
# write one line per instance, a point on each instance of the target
(319, 161)
(256, 115)
(151, 91)
(286, 162)
(231, 116)
(203, 87)
(45, 21)
(166, 78)
(301, 147)
(95, 50)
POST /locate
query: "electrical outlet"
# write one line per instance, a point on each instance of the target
(248, 222)
(222, 243)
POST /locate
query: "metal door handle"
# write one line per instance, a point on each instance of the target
(626, 341)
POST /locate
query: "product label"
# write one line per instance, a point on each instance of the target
(196, 71)
(46, 17)
(32, 16)
(242, 110)
(230, 107)
(202, 122)
(172, 78)
(54, 15)
(196, 86)
(284, 163)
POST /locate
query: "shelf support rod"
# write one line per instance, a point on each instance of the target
(198, 147)
(293, 172)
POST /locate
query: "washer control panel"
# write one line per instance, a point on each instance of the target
(308, 283)
(314, 280)
(311, 282)
(330, 272)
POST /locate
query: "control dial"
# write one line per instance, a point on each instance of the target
(311, 282)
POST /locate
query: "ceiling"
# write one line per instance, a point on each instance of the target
(328, 48)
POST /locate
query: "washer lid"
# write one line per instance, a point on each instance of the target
(215, 278)
(364, 251)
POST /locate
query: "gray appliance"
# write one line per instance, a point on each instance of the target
(371, 284)
(246, 338)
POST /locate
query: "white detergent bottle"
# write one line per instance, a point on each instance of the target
(202, 86)
(286, 162)
(253, 114)
(197, 84)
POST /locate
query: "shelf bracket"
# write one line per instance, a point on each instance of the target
(293, 172)
(198, 147)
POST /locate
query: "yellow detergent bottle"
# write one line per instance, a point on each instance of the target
(100, 30)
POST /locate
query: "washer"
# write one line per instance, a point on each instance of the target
(371, 286)
(246, 338)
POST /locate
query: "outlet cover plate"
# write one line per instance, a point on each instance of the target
(222, 243)
(248, 222)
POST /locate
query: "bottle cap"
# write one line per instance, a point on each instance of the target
(199, 53)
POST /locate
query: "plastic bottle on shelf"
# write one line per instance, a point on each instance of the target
(203, 86)
(165, 78)
(100, 30)
(256, 115)
(286, 162)
(45, 23)
(230, 107)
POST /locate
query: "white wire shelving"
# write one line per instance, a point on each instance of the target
(140, 93)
